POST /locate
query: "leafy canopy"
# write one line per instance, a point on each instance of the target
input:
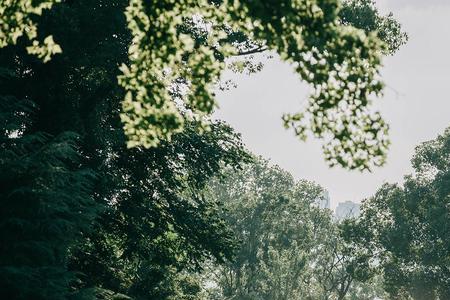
(83, 216)
(64, 161)
(289, 248)
(17, 20)
(339, 61)
(405, 229)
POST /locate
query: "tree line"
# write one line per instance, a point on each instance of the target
(290, 248)
(115, 184)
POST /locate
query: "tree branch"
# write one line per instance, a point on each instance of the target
(253, 51)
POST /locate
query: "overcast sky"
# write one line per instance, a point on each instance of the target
(415, 104)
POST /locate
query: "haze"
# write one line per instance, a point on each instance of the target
(415, 105)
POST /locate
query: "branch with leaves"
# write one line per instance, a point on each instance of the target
(329, 47)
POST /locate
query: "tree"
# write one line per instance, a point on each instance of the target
(363, 14)
(289, 248)
(406, 228)
(85, 216)
(158, 224)
(81, 213)
(45, 203)
(339, 61)
(260, 206)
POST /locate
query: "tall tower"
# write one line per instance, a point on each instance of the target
(323, 201)
(346, 210)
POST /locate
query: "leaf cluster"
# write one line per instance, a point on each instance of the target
(405, 228)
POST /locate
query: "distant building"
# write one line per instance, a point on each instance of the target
(346, 210)
(323, 201)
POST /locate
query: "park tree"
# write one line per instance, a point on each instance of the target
(289, 248)
(158, 226)
(267, 211)
(81, 213)
(88, 209)
(405, 228)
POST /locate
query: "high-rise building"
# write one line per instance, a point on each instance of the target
(323, 201)
(346, 210)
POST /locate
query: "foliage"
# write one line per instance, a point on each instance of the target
(406, 228)
(45, 200)
(17, 20)
(158, 222)
(83, 216)
(289, 248)
(363, 14)
(340, 62)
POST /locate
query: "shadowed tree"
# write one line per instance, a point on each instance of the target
(405, 228)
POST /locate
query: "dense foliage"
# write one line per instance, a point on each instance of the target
(74, 199)
(184, 45)
(290, 247)
(17, 19)
(84, 216)
(405, 228)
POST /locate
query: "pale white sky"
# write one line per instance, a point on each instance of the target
(415, 104)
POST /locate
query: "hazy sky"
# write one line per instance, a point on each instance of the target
(415, 104)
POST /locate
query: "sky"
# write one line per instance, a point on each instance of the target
(415, 104)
